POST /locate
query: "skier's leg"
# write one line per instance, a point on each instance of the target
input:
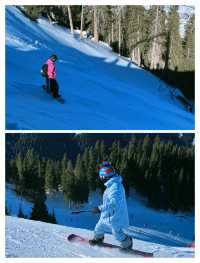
(56, 89)
(47, 84)
(124, 240)
(99, 231)
(51, 85)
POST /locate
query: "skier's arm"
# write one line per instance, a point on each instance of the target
(54, 72)
(111, 205)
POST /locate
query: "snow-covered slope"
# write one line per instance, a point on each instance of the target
(26, 238)
(165, 230)
(102, 90)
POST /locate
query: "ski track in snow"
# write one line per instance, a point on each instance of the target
(102, 90)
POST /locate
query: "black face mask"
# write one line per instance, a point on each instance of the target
(104, 179)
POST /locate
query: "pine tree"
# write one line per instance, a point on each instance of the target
(134, 24)
(189, 44)
(154, 158)
(20, 168)
(180, 189)
(81, 181)
(40, 211)
(7, 210)
(12, 174)
(115, 155)
(157, 38)
(92, 169)
(107, 24)
(52, 218)
(49, 176)
(57, 175)
(132, 146)
(146, 146)
(175, 42)
(124, 169)
(63, 168)
(30, 164)
(33, 11)
(20, 213)
(100, 151)
(69, 184)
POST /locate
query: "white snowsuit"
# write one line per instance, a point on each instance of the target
(114, 212)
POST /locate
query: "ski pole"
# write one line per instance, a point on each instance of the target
(81, 211)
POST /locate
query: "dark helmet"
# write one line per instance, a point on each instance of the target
(54, 57)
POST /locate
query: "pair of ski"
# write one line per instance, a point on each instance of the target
(81, 240)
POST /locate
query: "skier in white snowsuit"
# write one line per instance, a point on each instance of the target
(114, 212)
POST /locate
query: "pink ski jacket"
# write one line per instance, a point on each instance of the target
(51, 69)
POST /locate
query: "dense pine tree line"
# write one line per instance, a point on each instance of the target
(151, 36)
(26, 172)
(160, 169)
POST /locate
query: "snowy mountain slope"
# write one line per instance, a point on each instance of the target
(102, 90)
(147, 224)
(26, 238)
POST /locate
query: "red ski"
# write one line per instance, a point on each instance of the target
(79, 239)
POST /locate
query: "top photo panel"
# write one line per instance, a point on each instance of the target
(129, 67)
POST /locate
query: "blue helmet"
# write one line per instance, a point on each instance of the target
(106, 170)
(105, 164)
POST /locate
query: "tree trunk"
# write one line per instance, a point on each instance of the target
(119, 34)
(133, 58)
(188, 53)
(70, 19)
(112, 34)
(135, 55)
(96, 34)
(138, 40)
(109, 39)
(154, 55)
(49, 17)
(81, 32)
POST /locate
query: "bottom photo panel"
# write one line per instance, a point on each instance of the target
(100, 195)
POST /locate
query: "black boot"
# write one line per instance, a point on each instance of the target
(126, 243)
(56, 96)
(96, 241)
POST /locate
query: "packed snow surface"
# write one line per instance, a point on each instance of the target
(166, 234)
(27, 238)
(102, 90)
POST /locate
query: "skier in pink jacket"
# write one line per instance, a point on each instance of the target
(50, 75)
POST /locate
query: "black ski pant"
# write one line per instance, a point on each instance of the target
(53, 87)
(47, 84)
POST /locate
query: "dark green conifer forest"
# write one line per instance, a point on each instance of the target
(158, 166)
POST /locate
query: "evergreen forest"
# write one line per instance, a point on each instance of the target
(160, 167)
